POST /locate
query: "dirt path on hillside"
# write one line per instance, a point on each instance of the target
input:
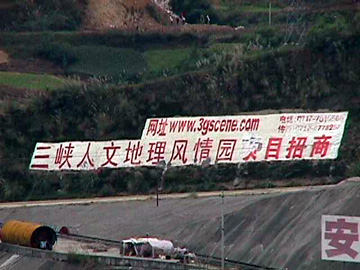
(161, 197)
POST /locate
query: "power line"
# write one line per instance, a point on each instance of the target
(295, 21)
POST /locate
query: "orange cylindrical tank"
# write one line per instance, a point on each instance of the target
(26, 233)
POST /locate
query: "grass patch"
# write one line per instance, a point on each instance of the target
(31, 81)
(248, 8)
(257, 9)
(107, 61)
(166, 59)
(227, 47)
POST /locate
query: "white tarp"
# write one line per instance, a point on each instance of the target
(340, 238)
(157, 245)
(192, 140)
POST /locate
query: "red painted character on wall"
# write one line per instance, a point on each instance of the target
(342, 236)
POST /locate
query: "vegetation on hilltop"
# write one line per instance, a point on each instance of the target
(320, 78)
(41, 15)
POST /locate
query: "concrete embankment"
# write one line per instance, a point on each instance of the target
(278, 230)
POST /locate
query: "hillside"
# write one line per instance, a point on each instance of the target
(278, 230)
(102, 85)
(110, 14)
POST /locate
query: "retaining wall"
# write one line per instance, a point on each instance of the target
(134, 263)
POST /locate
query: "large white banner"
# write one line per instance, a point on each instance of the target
(85, 155)
(340, 238)
(193, 140)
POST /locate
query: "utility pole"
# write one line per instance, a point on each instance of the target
(269, 12)
(222, 233)
(161, 164)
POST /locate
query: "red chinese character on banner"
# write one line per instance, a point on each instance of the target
(289, 119)
(156, 152)
(162, 126)
(283, 119)
(225, 150)
(41, 157)
(109, 156)
(281, 128)
(251, 147)
(273, 148)
(341, 241)
(179, 151)
(297, 147)
(152, 127)
(133, 153)
(251, 155)
(321, 146)
(89, 161)
(202, 149)
(63, 155)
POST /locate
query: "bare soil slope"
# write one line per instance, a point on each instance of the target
(107, 14)
(4, 57)
(281, 230)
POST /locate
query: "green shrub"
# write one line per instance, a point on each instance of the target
(194, 10)
(356, 23)
(327, 34)
(42, 186)
(137, 184)
(90, 182)
(41, 15)
(117, 179)
(353, 170)
(266, 185)
(14, 191)
(108, 62)
(179, 6)
(61, 54)
(154, 13)
(83, 183)
(107, 190)
(180, 176)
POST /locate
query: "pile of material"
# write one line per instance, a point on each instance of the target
(151, 247)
